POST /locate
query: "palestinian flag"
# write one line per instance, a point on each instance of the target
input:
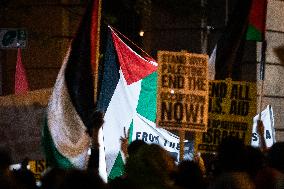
(65, 138)
(128, 87)
(257, 21)
(229, 48)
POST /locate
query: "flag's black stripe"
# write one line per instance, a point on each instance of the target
(110, 76)
(230, 44)
(79, 76)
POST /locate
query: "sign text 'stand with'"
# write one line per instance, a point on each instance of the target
(182, 100)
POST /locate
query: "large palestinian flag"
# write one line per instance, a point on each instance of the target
(71, 106)
(128, 87)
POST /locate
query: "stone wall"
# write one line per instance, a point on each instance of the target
(273, 90)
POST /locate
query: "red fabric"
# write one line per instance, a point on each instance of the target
(133, 66)
(21, 82)
(257, 17)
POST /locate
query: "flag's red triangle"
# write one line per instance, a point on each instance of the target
(134, 67)
(21, 82)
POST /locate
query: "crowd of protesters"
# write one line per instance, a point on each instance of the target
(148, 166)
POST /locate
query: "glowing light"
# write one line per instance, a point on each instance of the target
(141, 33)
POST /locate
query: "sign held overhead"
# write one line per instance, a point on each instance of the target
(183, 88)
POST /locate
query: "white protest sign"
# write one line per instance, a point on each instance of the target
(269, 131)
(147, 131)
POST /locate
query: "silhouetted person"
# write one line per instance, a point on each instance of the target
(150, 168)
(7, 180)
(25, 178)
(189, 176)
(97, 121)
(53, 178)
(134, 146)
(232, 156)
(129, 150)
(255, 161)
(275, 156)
(272, 175)
(76, 179)
(5, 162)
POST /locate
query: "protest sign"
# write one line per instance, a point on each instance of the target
(267, 119)
(37, 167)
(182, 99)
(147, 131)
(232, 106)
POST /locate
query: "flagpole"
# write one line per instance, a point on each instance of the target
(260, 126)
(97, 3)
(181, 143)
(204, 30)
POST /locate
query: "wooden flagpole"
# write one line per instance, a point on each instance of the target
(96, 62)
(181, 144)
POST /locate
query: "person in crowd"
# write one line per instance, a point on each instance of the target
(75, 179)
(52, 178)
(272, 174)
(128, 150)
(5, 162)
(7, 180)
(24, 176)
(150, 167)
(232, 163)
(97, 120)
(255, 161)
(189, 176)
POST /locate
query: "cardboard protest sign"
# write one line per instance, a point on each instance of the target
(232, 106)
(37, 167)
(182, 99)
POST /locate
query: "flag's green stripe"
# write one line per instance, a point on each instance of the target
(53, 157)
(117, 169)
(253, 34)
(147, 104)
(130, 132)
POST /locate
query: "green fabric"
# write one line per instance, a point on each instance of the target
(147, 104)
(253, 34)
(130, 132)
(117, 168)
(53, 157)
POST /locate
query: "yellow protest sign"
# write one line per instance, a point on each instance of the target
(182, 99)
(232, 106)
(37, 167)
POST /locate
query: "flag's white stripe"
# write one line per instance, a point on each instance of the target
(65, 125)
(119, 114)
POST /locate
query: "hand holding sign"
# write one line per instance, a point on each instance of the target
(260, 131)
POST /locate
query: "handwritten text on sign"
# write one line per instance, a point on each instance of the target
(182, 91)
